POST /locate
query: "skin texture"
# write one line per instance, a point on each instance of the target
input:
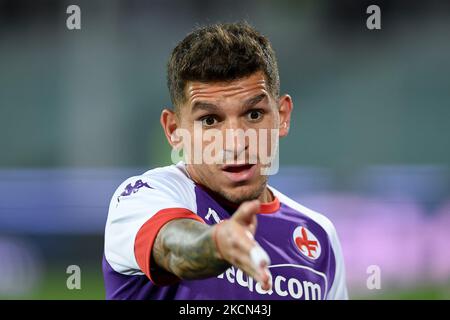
(186, 247)
(181, 238)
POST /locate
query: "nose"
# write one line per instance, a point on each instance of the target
(234, 123)
(235, 143)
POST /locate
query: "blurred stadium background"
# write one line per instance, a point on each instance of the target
(369, 144)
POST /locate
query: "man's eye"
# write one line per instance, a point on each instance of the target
(208, 121)
(254, 115)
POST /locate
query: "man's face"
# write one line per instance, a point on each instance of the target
(225, 107)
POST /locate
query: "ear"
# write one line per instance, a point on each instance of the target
(285, 106)
(170, 124)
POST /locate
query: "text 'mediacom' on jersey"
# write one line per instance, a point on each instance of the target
(288, 282)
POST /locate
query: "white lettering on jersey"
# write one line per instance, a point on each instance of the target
(281, 286)
(213, 214)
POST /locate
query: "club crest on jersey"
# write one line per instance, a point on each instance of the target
(307, 243)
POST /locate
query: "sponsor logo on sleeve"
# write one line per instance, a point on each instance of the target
(133, 188)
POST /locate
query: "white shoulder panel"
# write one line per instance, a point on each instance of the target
(135, 201)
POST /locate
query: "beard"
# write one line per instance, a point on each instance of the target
(240, 197)
(236, 197)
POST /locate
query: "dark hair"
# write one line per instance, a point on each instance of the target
(221, 52)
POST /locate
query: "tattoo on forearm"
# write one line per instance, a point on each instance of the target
(185, 247)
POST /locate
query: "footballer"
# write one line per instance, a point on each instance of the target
(218, 230)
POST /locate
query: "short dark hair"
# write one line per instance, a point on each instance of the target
(221, 52)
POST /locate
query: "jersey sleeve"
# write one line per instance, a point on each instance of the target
(139, 208)
(338, 290)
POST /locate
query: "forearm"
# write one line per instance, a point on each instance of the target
(186, 248)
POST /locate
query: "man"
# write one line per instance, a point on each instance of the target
(202, 230)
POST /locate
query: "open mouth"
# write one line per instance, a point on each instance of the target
(237, 168)
(239, 172)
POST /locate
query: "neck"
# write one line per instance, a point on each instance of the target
(266, 196)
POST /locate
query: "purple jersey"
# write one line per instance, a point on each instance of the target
(305, 254)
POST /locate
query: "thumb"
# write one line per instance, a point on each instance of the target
(246, 213)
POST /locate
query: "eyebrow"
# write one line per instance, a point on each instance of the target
(201, 105)
(255, 100)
